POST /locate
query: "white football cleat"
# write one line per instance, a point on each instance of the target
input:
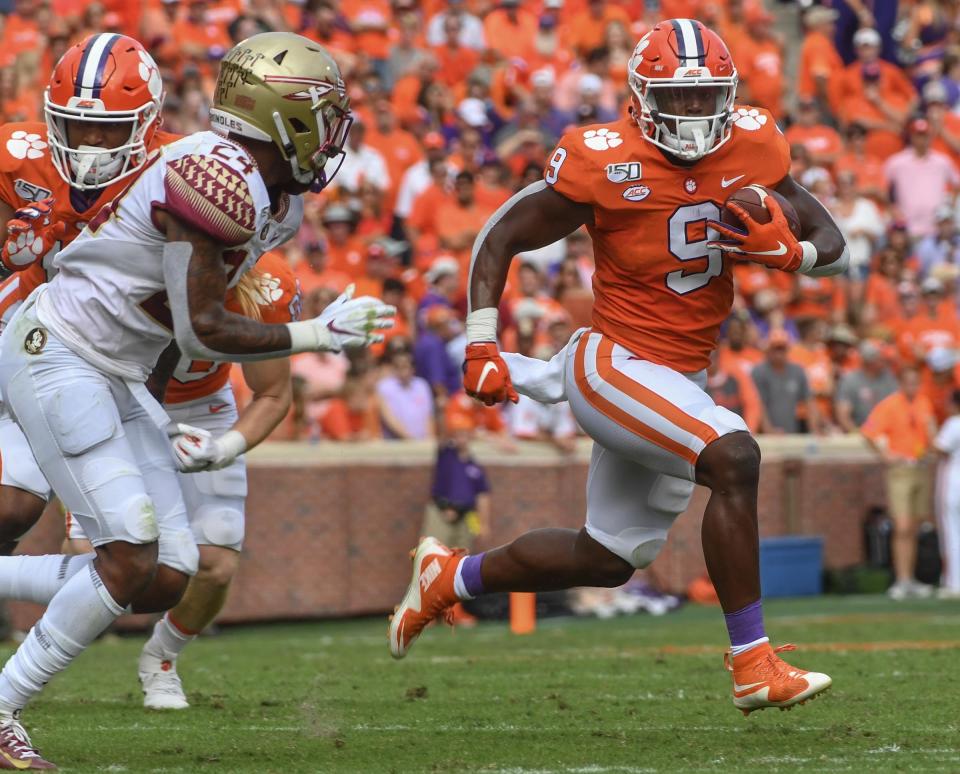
(161, 684)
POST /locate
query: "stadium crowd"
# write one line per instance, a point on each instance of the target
(458, 104)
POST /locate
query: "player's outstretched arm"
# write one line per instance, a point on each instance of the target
(819, 230)
(535, 217)
(196, 284)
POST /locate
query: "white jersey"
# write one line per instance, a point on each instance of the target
(108, 302)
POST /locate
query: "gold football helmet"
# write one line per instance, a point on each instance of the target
(284, 88)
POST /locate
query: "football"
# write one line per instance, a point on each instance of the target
(751, 198)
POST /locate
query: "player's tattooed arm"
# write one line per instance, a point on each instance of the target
(216, 328)
(819, 228)
(535, 217)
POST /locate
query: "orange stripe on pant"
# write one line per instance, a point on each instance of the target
(618, 415)
(648, 397)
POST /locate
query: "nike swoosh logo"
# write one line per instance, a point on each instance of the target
(218, 407)
(488, 369)
(724, 183)
(779, 251)
(17, 764)
(740, 690)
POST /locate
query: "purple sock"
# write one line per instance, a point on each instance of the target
(746, 625)
(470, 573)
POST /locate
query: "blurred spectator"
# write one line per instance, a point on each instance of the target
(352, 415)
(736, 391)
(920, 180)
(459, 508)
(312, 271)
(941, 246)
(344, 250)
(934, 324)
(866, 167)
(588, 29)
(459, 221)
(863, 388)
(819, 61)
(737, 352)
(363, 164)
(760, 61)
(444, 285)
(470, 32)
(783, 389)
(860, 222)
(900, 429)
(456, 59)
(405, 401)
(938, 380)
(509, 30)
(418, 176)
(944, 124)
(875, 94)
(433, 363)
(821, 141)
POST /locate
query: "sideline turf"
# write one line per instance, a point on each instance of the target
(629, 695)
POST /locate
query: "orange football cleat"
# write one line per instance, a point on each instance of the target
(429, 596)
(762, 679)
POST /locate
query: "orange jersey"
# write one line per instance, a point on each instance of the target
(658, 290)
(279, 302)
(27, 175)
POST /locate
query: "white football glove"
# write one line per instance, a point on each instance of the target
(193, 447)
(348, 322)
(196, 449)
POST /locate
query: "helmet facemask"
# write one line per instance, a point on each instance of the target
(86, 167)
(687, 115)
(333, 128)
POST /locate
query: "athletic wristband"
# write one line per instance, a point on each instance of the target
(809, 259)
(231, 445)
(309, 336)
(482, 325)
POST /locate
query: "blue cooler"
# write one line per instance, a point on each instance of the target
(791, 566)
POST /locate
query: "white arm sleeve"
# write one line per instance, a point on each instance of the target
(176, 262)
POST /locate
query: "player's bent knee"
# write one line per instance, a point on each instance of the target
(218, 565)
(731, 461)
(126, 568)
(610, 561)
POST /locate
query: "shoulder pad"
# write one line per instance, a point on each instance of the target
(212, 197)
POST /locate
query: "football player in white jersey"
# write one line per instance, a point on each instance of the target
(152, 267)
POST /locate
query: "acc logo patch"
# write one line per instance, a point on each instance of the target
(636, 193)
(35, 342)
(30, 192)
(624, 173)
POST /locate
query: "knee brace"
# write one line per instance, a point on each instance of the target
(218, 525)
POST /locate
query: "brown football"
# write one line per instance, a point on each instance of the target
(751, 199)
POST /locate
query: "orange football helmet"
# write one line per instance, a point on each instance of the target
(684, 83)
(110, 79)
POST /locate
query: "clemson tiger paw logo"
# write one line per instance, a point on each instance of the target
(150, 73)
(269, 291)
(601, 139)
(25, 146)
(751, 120)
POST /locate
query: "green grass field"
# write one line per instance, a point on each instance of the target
(629, 695)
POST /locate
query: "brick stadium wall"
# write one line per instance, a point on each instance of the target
(329, 528)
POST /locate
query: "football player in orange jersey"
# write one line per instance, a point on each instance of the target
(54, 177)
(199, 395)
(649, 188)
